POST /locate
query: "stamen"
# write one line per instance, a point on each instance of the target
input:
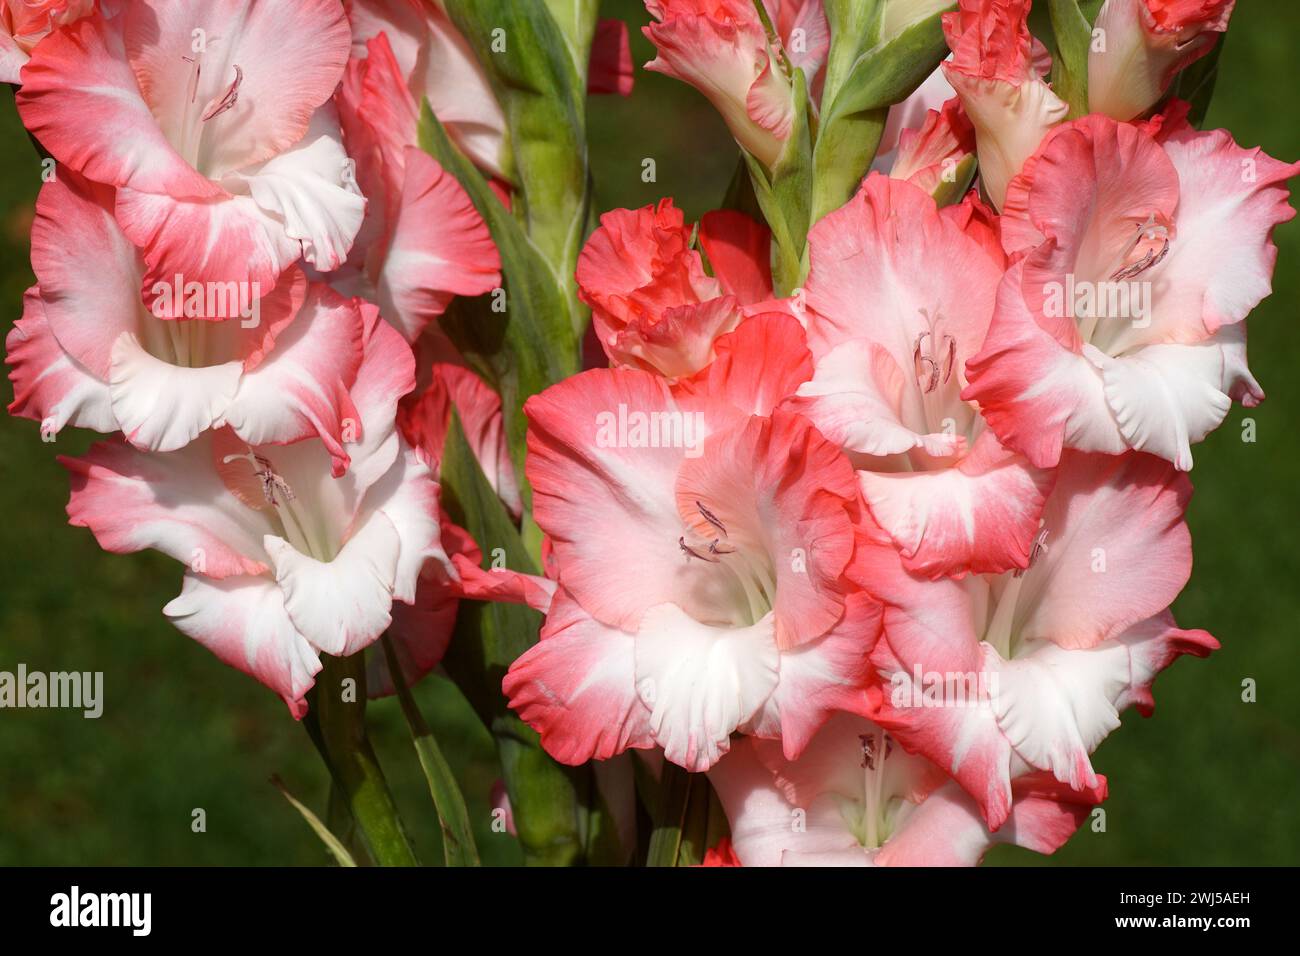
(692, 553)
(927, 369)
(194, 78)
(710, 517)
(869, 749)
(227, 101)
(1038, 548)
(949, 360)
(716, 547)
(272, 483)
(1147, 250)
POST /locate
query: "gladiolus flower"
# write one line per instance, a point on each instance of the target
(210, 118)
(992, 677)
(1143, 45)
(723, 49)
(1122, 327)
(653, 305)
(25, 23)
(284, 562)
(276, 365)
(866, 802)
(899, 295)
(993, 71)
(704, 571)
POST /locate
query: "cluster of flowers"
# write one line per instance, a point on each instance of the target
(886, 556)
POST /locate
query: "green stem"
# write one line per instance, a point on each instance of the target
(681, 830)
(336, 722)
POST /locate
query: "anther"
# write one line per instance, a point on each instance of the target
(228, 100)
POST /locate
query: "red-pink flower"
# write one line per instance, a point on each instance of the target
(211, 120)
(993, 69)
(1142, 250)
(855, 798)
(722, 48)
(991, 677)
(899, 295)
(25, 23)
(284, 561)
(653, 305)
(1141, 45)
(422, 242)
(434, 62)
(275, 365)
(704, 543)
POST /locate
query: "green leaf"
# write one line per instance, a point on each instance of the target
(457, 835)
(784, 193)
(546, 799)
(675, 785)
(530, 345)
(947, 193)
(336, 722)
(1072, 33)
(855, 26)
(850, 131)
(537, 69)
(1196, 84)
(332, 843)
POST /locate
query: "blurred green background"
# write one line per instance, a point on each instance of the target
(1209, 780)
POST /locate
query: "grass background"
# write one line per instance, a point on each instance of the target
(1210, 780)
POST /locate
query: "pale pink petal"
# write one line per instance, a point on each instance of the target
(788, 498)
(290, 58)
(701, 683)
(820, 678)
(607, 505)
(160, 406)
(1165, 398)
(82, 71)
(577, 688)
(439, 248)
(1037, 394)
(1117, 550)
(51, 386)
(981, 516)
(243, 621)
(1054, 706)
(173, 502)
(342, 605)
(302, 388)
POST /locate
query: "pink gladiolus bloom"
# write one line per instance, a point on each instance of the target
(653, 305)
(866, 802)
(275, 364)
(929, 155)
(704, 543)
(722, 48)
(210, 118)
(422, 242)
(899, 295)
(1143, 44)
(1122, 327)
(25, 23)
(994, 71)
(284, 561)
(433, 62)
(994, 676)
